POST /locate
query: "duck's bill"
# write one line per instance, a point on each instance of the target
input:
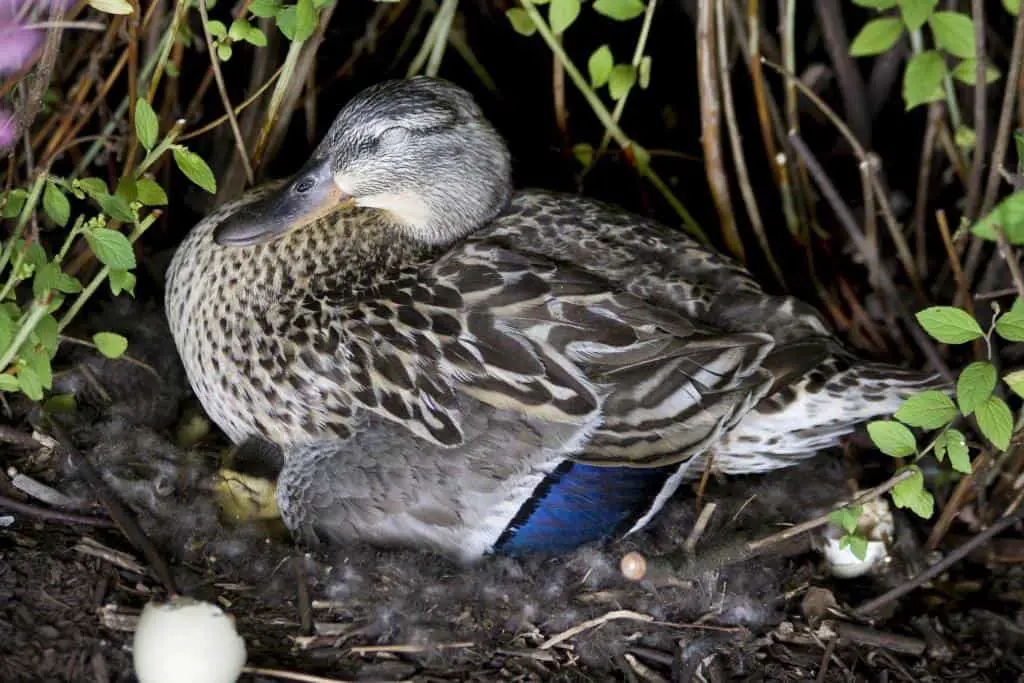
(312, 194)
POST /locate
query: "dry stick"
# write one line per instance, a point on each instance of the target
(742, 176)
(710, 113)
(238, 110)
(847, 220)
(923, 177)
(1006, 115)
(851, 85)
(963, 293)
(219, 77)
(974, 186)
(290, 675)
(947, 562)
(1012, 262)
(118, 512)
(902, 250)
(53, 515)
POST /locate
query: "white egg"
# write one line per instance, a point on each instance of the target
(187, 640)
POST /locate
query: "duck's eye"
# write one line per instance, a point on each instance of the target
(304, 185)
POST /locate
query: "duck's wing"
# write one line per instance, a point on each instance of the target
(528, 333)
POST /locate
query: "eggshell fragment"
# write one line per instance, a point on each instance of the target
(877, 524)
(187, 640)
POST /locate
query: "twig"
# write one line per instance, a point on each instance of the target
(53, 515)
(219, 77)
(238, 110)
(594, 623)
(980, 110)
(118, 512)
(124, 357)
(1012, 262)
(862, 635)
(963, 293)
(924, 175)
(847, 220)
(939, 567)
(12, 436)
(851, 85)
(710, 114)
(426, 647)
(742, 176)
(290, 675)
(699, 526)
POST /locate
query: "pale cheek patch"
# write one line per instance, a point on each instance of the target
(408, 208)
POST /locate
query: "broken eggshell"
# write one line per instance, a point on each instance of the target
(187, 640)
(877, 524)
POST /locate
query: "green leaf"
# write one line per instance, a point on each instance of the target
(877, 36)
(995, 421)
(286, 20)
(967, 72)
(949, 325)
(1014, 380)
(644, 72)
(521, 21)
(975, 385)
(256, 37)
(910, 493)
(928, 410)
(857, 544)
(1012, 6)
(195, 169)
(305, 20)
(9, 383)
(68, 284)
(620, 80)
(14, 201)
(121, 281)
(45, 279)
(239, 29)
(46, 333)
(6, 330)
(147, 127)
(916, 12)
(60, 403)
(1009, 214)
(922, 80)
(224, 51)
(956, 448)
(954, 33)
(217, 28)
(150, 193)
(846, 518)
(1010, 326)
(127, 189)
(28, 380)
(584, 154)
(562, 13)
(876, 4)
(56, 205)
(599, 66)
(112, 7)
(110, 344)
(116, 207)
(265, 8)
(111, 248)
(892, 438)
(93, 186)
(620, 10)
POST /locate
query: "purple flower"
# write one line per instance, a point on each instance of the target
(17, 45)
(7, 130)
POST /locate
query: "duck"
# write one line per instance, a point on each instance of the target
(448, 364)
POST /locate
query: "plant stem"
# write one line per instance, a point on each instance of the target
(35, 314)
(26, 212)
(609, 123)
(84, 295)
(638, 55)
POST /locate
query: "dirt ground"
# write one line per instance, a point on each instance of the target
(69, 592)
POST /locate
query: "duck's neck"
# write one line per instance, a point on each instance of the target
(340, 255)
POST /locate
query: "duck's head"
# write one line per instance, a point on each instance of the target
(419, 150)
